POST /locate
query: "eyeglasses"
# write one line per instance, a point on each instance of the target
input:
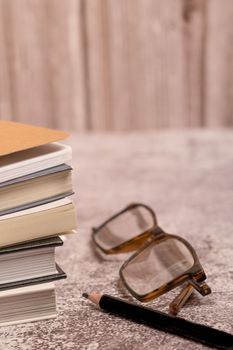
(162, 261)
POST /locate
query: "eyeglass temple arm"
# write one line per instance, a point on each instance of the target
(179, 301)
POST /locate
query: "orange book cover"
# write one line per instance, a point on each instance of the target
(16, 137)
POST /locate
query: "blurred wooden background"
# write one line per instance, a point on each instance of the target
(117, 64)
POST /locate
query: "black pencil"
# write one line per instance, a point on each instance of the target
(163, 322)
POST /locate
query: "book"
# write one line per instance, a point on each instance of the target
(27, 304)
(35, 189)
(41, 221)
(59, 274)
(27, 261)
(35, 181)
(15, 137)
(35, 159)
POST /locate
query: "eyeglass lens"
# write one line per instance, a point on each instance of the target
(124, 227)
(157, 265)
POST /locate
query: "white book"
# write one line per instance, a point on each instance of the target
(26, 304)
(32, 160)
(29, 260)
(35, 189)
(45, 220)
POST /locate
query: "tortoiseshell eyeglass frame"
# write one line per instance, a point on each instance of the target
(194, 277)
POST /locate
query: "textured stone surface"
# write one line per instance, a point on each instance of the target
(188, 179)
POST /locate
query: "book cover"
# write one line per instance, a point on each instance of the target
(35, 189)
(44, 172)
(34, 159)
(32, 281)
(51, 219)
(16, 137)
(36, 244)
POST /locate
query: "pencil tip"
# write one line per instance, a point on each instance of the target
(94, 297)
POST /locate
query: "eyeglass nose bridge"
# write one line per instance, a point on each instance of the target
(156, 231)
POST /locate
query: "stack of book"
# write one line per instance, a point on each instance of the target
(35, 183)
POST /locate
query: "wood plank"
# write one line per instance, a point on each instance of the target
(156, 61)
(5, 95)
(194, 34)
(43, 48)
(26, 54)
(116, 65)
(98, 64)
(218, 64)
(145, 64)
(119, 69)
(65, 63)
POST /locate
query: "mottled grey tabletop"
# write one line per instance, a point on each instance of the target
(187, 177)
